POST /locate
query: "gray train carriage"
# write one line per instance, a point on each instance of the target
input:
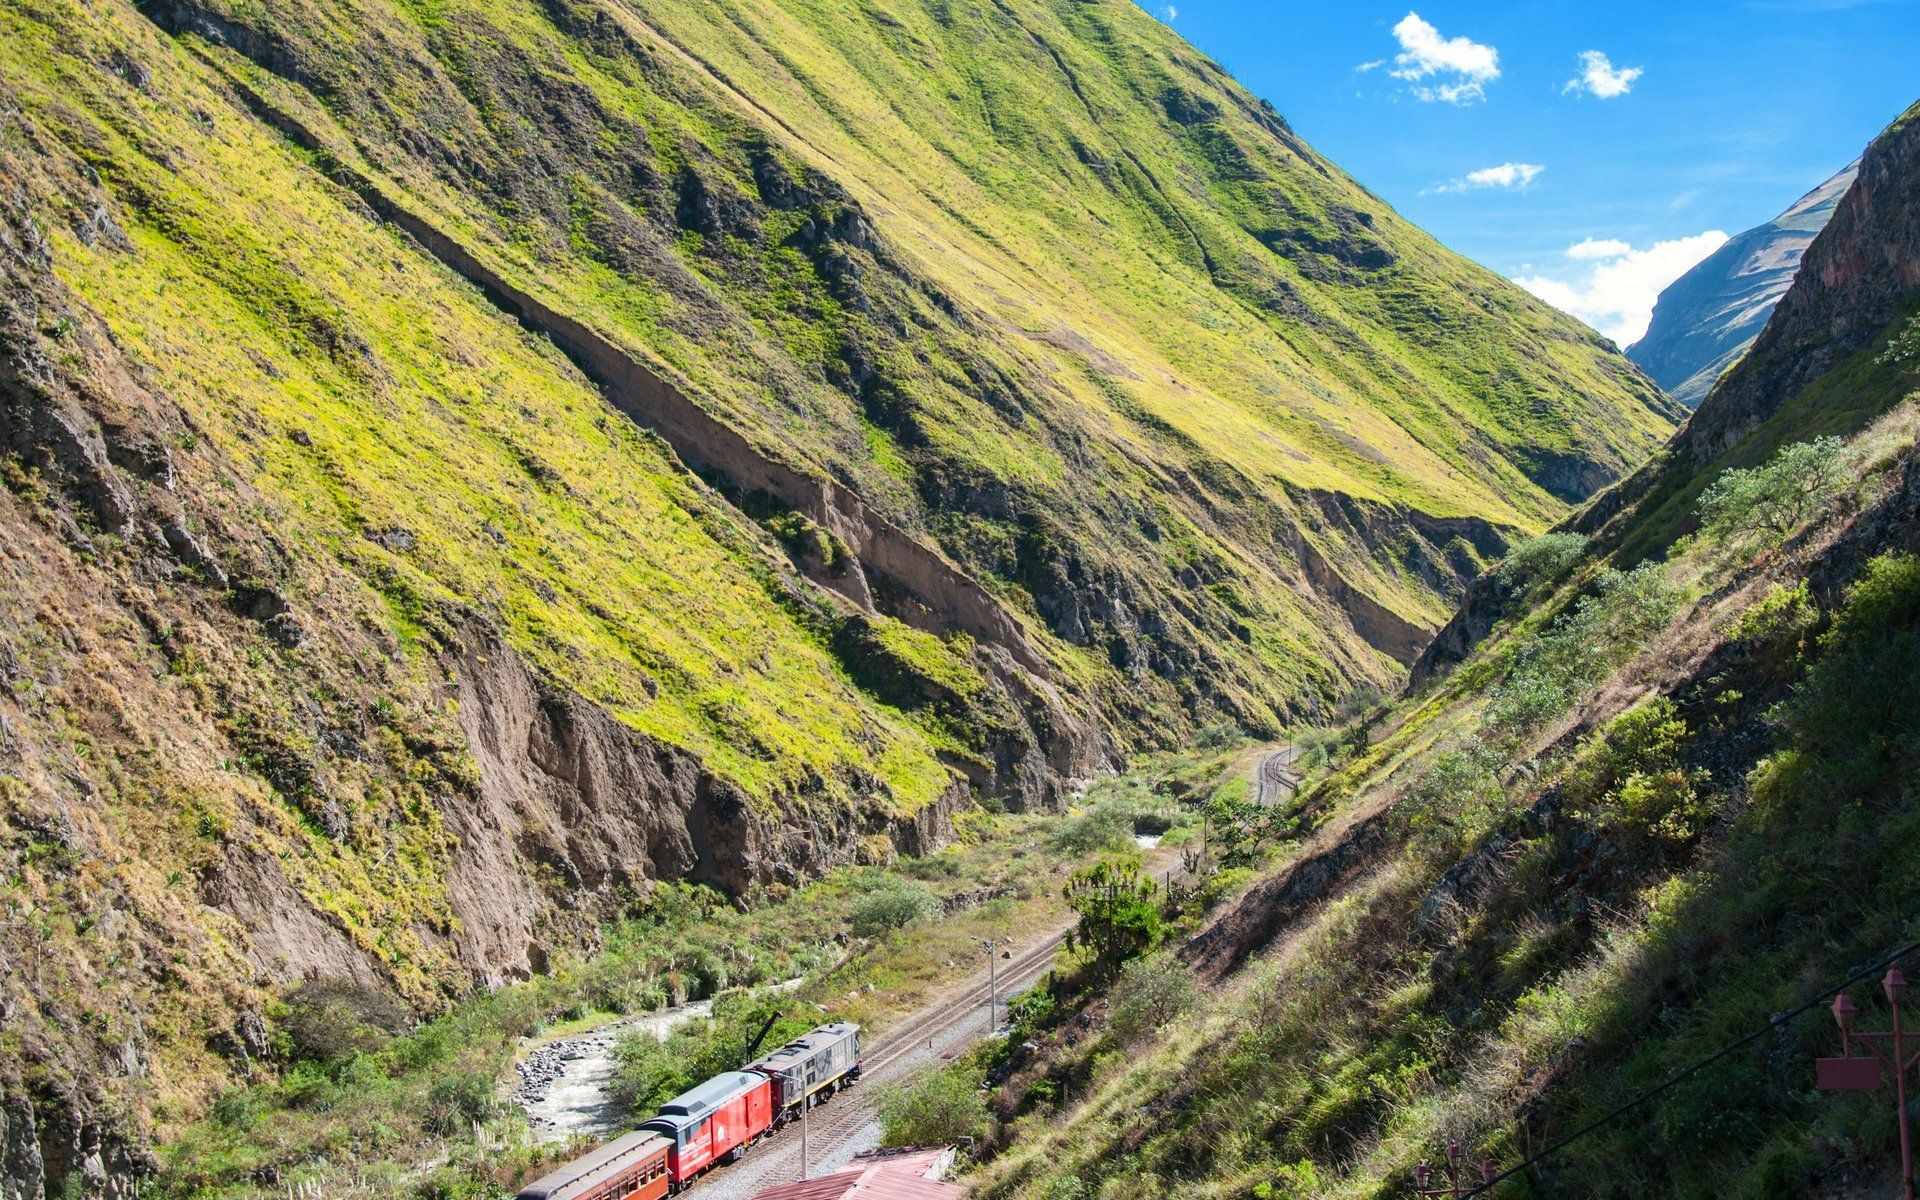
(816, 1064)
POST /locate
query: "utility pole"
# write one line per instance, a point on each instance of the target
(806, 1102)
(993, 986)
(1453, 1189)
(1886, 1051)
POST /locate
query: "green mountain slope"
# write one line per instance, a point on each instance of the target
(1578, 906)
(466, 462)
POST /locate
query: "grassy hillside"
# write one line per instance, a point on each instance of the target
(1100, 352)
(468, 462)
(1658, 814)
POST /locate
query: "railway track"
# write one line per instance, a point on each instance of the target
(834, 1125)
(1276, 779)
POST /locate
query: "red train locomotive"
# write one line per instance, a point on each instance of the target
(714, 1122)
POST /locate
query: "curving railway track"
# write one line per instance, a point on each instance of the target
(1275, 780)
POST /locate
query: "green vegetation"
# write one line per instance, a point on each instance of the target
(1553, 668)
(362, 1105)
(1040, 286)
(937, 1106)
(1656, 808)
(1119, 917)
(1536, 566)
(1767, 504)
(1149, 994)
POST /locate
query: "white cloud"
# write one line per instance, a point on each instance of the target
(1514, 176)
(1459, 67)
(1169, 12)
(1613, 287)
(1600, 78)
(1375, 65)
(1593, 248)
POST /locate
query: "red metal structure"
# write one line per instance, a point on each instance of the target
(1887, 1051)
(1453, 1189)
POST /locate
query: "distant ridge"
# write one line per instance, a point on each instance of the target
(1708, 317)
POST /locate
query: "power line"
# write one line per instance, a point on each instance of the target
(1779, 1020)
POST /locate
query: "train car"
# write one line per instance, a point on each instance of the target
(819, 1062)
(631, 1167)
(714, 1122)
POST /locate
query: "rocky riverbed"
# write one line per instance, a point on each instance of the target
(566, 1085)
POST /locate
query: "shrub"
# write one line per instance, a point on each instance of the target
(1551, 669)
(1150, 993)
(893, 904)
(330, 1021)
(1216, 735)
(1459, 793)
(650, 1072)
(1101, 828)
(1766, 505)
(1851, 720)
(1629, 777)
(1535, 565)
(455, 1102)
(933, 1107)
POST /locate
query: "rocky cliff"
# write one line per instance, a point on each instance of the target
(1705, 320)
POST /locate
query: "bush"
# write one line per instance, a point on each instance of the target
(1457, 795)
(331, 1021)
(1768, 504)
(1851, 720)
(1217, 735)
(893, 904)
(1581, 647)
(1101, 828)
(1629, 777)
(932, 1108)
(1537, 564)
(455, 1102)
(1150, 994)
(1777, 626)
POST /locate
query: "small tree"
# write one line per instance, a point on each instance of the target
(894, 904)
(933, 1108)
(1538, 563)
(1768, 504)
(1118, 916)
(1150, 993)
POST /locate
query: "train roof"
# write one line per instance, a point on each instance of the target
(801, 1047)
(691, 1105)
(588, 1172)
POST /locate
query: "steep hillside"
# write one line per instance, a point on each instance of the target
(1578, 906)
(468, 461)
(1706, 319)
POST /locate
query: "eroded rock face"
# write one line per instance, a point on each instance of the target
(575, 813)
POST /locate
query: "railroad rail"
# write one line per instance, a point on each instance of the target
(1276, 779)
(832, 1126)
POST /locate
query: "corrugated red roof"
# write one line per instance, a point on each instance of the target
(893, 1177)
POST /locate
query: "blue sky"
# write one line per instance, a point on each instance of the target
(1689, 120)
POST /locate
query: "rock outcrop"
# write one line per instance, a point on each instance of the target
(1705, 320)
